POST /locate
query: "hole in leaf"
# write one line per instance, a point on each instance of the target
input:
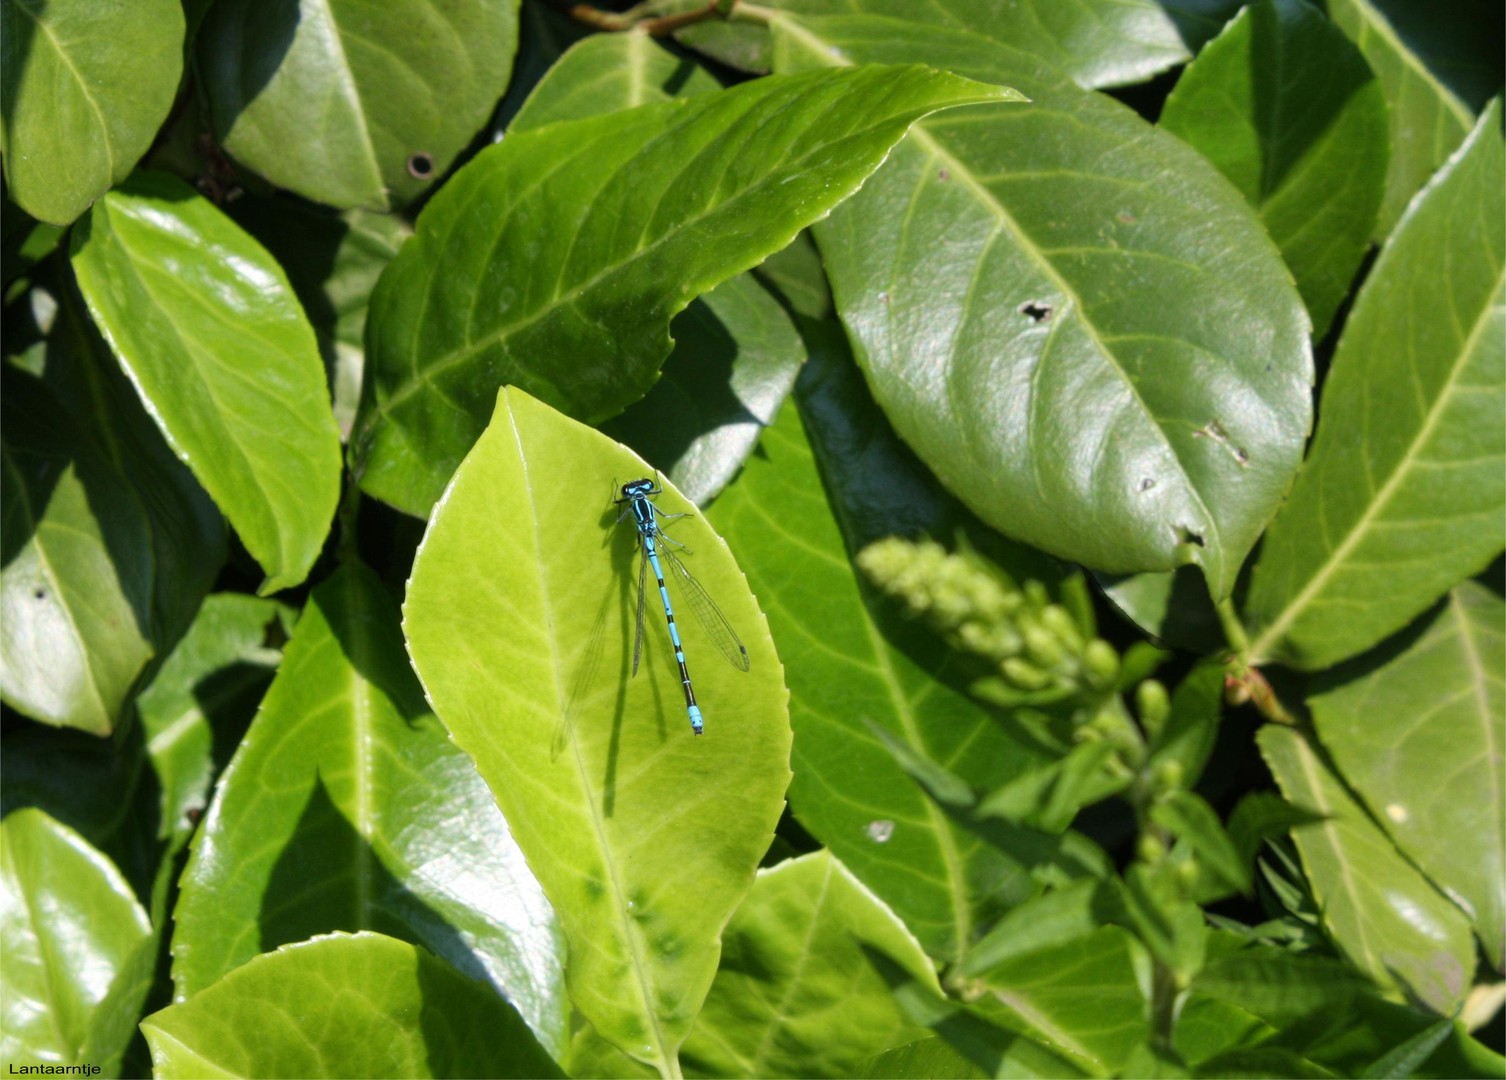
(420, 165)
(1036, 310)
(1187, 536)
(40, 594)
(1146, 484)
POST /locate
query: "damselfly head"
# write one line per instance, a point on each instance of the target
(637, 488)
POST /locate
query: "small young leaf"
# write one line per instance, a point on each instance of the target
(1187, 815)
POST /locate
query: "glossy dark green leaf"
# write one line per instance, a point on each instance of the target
(76, 585)
(347, 808)
(78, 948)
(203, 697)
(1403, 492)
(795, 994)
(85, 88)
(1380, 911)
(1096, 42)
(354, 104)
(1416, 731)
(1436, 69)
(1075, 322)
(736, 351)
(345, 1005)
(519, 619)
(556, 259)
(1287, 109)
(206, 325)
(853, 661)
(924, 1059)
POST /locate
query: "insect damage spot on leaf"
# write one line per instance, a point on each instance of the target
(1215, 431)
(421, 165)
(1036, 310)
(943, 175)
(1188, 536)
(1146, 483)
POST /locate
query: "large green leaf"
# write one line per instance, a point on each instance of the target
(202, 699)
(1402, 494)
(736, 351)
(796, 994)
(1096, 42)
(1075, 322)
(1287, 109)
(1436, 67)
(350, 103)
(556, 258)
(1379, 910)
(76, 584)
(519, 621)
(855, 664)
(347, 808)
(78, 948)
(206, 325)
(1416, 732)
(344, 1005)
(85, 89)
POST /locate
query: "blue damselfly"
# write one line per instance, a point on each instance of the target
(638, 497)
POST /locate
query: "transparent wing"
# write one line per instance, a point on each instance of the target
(642, 580)
(707, 613)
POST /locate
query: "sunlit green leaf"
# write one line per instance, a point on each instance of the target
(519, 620)
(795, 994)
(1416, 731)
(346, 808)
(1403, 491)
(345, 1005)
(556, 259)
(207, 327)
(1380, 911)
(78, 948)
(1056, 306)
(354, 104)
(85, 87)
(1288, 110)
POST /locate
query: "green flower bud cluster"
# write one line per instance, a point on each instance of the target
(1039, 650)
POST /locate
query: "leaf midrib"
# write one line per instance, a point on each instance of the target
(641, 979)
